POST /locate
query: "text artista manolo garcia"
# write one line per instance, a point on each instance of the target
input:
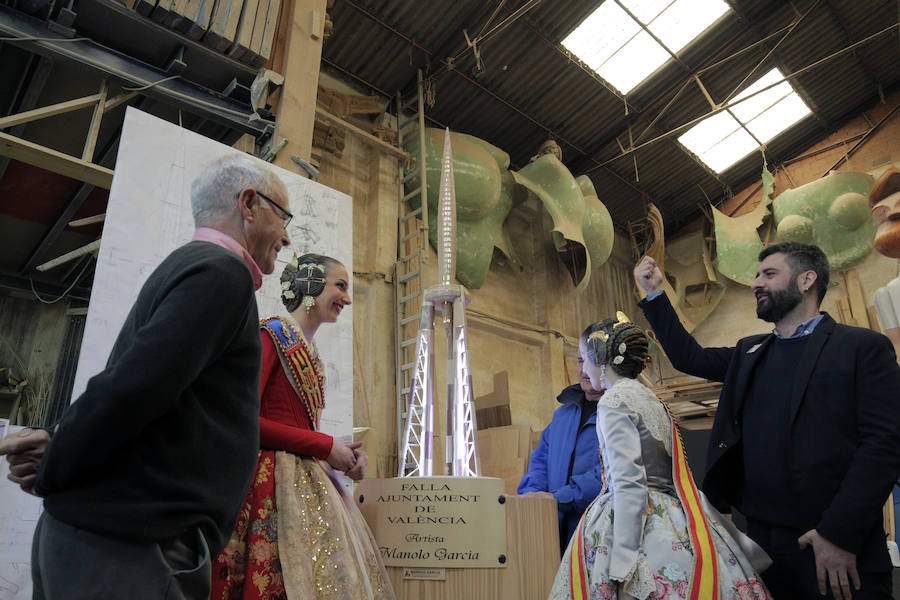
(440, 521)
(423, 495)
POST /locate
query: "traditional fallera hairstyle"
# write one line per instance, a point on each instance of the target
(803, 257)
(618, 343)
(304, 277)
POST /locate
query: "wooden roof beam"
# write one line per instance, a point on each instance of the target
(54, 161)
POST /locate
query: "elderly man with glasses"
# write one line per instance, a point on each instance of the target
(144, 475)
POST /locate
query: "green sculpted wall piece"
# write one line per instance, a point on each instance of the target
(832, 213)
(486, 191)
(738, 243)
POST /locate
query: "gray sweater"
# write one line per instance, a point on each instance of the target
(165, 438)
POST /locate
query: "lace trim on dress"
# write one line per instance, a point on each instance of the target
(639, 582)
(641, 401)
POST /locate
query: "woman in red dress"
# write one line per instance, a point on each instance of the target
(299, 536)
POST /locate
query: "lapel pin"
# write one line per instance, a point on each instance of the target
(753, 348)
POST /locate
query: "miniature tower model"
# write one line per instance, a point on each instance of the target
(450, 300)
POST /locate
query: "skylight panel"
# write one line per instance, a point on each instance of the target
(602, 34)
(620, 50)
(647, 10)
(728, 151)
(726, 137)
(750, 108)
(778, 118)
(684, 20)
(707, 133)
(625, 71)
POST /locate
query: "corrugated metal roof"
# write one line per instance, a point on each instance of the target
(529, 89)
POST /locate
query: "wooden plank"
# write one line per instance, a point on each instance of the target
(268, 38)
(221, 33)
(198, 15)
(145, 7)
(92, 247)
(302, 56)
(497, 444)
(844, 314)
(874, 321)
(48, 111)
(118, 100)
(244, 35)
(365, 136)
(510, 470)
(259, 25)
(94, 130)
(161, 11)
(695, 424)
(52, 160)
(177, 15)
(88, 220)
(857, 300)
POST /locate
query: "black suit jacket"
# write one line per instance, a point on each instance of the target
(844, 438)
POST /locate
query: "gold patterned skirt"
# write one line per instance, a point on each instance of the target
(325, 546)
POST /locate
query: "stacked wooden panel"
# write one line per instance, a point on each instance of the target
(504, 452)
(693, 404)
(241, 29)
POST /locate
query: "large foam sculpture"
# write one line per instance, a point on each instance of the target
(486, 191)
(885, 204)
(831, 212)
(737, 241)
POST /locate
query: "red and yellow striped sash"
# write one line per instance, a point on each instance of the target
(577, 569)
(704, 582)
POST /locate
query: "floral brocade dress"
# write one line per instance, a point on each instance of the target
(644, 531)
(298, 535)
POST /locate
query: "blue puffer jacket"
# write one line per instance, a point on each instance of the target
(549, 464)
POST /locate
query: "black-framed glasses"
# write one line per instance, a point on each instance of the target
(286, 216)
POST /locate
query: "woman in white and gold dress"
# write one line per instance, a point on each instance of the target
(650, 533)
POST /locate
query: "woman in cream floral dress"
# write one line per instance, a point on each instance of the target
(650, 533)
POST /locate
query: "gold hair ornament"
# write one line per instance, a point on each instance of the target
(599, 335)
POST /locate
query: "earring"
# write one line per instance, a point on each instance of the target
(308, 303)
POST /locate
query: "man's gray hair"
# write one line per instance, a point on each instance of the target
(214, 192)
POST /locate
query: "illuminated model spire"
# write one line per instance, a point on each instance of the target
(416, 458)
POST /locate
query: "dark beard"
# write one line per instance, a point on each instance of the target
(779, 303)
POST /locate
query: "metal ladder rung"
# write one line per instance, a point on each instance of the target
(410, 175)
(405, 391)
(410, 297)
(408, 366)
(408, 343)
(410, 319)
(411, 214)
